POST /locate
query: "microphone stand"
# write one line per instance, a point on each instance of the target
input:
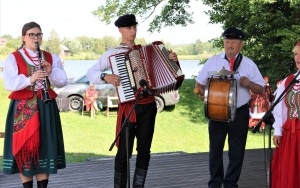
(126, 125)
(268, 118)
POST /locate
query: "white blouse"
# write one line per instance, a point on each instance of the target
(13, 81)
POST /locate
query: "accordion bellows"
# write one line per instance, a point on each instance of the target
(150, 63)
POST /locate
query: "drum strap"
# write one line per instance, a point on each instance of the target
(237, 61)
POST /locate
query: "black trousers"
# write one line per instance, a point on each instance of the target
(143, 130)
(237, 135)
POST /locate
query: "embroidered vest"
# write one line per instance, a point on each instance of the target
(292, 99)
(24, 68)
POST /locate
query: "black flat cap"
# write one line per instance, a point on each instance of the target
(126, 20)
(233, 33)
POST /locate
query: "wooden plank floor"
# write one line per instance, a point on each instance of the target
(169, 170)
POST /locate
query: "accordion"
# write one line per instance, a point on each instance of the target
(149, 63)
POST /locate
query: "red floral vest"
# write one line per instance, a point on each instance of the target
(24, 68)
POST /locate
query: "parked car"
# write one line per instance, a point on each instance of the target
(70, 96)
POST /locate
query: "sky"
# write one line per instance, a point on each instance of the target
(74, 18)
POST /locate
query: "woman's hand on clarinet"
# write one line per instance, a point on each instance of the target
(47, 66)
(113, 79)
(173, 56)
(38, 75)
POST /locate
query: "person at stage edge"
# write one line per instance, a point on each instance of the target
(33, 143)
(248, 78)
(260, 104)
(142, 119)
(285, 165)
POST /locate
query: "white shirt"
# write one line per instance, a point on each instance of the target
(93, 74)
(13, 81)
(247, 68)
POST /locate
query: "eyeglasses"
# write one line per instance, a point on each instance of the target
(34, 35)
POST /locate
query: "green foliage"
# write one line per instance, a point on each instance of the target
(74, 45)
(272, 28)
(99, 47)
(53, 43)
(86, 42)
(5, 51)
(173, 12)
(110, 42)
(13, 44)
(84, 47)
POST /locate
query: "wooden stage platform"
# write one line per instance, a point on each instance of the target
(168, 170)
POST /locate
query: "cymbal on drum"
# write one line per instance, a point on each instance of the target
(223, 72)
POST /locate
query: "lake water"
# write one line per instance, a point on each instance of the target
(75, 68)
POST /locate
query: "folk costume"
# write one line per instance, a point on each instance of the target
(141, 126)
(259, 105)
(33, 141)
(286, 158)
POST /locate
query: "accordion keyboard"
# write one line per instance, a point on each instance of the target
(121, 66)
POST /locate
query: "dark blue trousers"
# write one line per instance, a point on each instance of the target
(237, 131)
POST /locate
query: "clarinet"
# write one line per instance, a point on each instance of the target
(46, 96)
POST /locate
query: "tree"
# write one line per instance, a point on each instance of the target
(99, 46)
(110, 42)
(53, 43)
(272, 29)
(173, 12)
(12, 43)
(86, 42)
(74, 45)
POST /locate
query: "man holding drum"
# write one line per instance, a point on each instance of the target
(248, 78)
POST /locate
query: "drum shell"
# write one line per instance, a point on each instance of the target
(220, 99)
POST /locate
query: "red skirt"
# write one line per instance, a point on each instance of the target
(286, 158)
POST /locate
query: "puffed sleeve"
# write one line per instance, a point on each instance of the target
(93, 74)
(13, 81)
(279, 112)
(58, 76)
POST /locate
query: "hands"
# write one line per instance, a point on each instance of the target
(113, 79)
(277, 140)
(38, 75)
(47, 66)
(173, 56)
(245, 82)
(199, 90)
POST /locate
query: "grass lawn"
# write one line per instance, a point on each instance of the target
(183, 128)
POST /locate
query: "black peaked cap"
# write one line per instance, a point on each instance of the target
(126, 21)
(233, 33)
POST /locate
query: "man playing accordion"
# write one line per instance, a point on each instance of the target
(142, 119)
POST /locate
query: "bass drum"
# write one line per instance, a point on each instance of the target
(220, 99)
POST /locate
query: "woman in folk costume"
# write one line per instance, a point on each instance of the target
(33, 144)
(260, 104)
(286, 160)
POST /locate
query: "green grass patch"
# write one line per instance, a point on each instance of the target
(183, 128)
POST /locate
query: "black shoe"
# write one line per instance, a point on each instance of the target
(139, 178)
(28, 184)
(42, 184)
(120, 180)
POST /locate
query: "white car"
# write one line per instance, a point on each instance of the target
(70, 96)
